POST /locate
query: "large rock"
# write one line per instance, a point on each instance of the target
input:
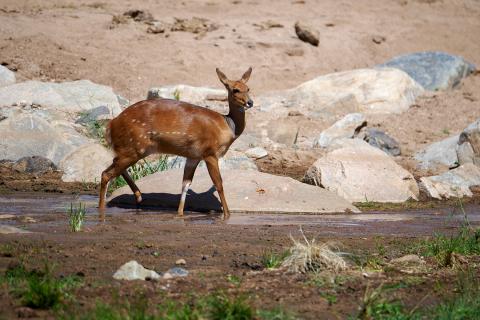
(382, 141)
(454, 183)
(468, 150)
(202, 96)
(133, 270)
(438, 155)
(27, 134)
(86, 163)
(433, 70)
(363, 173)
(245, 190)
(75, 96)
(7, 77)
(385, 90)
(346, 127)
(231, 160)
(34, 164)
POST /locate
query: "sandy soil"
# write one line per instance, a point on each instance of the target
(63, 40)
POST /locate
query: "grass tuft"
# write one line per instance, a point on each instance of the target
(312, 257)
(76, 216)
(272, 260)
(139, 170)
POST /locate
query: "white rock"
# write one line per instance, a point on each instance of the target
(363, 173)
(86, 163)
(75, 96)
(256, 153)
(7, 77)
(454, 183)
(132, 270)
(368, 91)
(245, 190)
(346, 127)
(31, 135)
(439, 154)
(202, 96)
(231, 160)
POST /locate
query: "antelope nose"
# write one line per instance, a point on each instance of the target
(250, 103)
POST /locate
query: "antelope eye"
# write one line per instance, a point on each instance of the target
(235, 91)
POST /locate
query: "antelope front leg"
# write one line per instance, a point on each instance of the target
(188, 172)
(214, 171)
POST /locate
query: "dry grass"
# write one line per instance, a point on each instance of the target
(309, 256)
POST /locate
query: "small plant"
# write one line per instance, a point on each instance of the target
(271, 260)
(222, 307)
(96, 130)
(312, 257)
(446, 131)
(139, 170)
(275, 314)
(76, 216)
(235, 280)
(38, 289)
(176, 94)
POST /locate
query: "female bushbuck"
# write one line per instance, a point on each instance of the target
(175, 127)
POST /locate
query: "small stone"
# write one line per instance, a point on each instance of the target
(307, 33)
(256, 153)
(180, 262)
(132, 270)
(177, 272)
(378, 39)
(7, 216)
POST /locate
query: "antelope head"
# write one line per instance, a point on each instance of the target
(238, 91)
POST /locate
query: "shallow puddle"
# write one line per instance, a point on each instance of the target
(50, 210)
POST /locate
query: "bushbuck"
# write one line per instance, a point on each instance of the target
(180, 128)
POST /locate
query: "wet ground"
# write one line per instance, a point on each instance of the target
(215, 251)
(49, 211)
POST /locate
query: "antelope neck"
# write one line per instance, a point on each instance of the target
(236, 119)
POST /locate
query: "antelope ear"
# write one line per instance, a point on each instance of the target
(222, 77)
(246, 75)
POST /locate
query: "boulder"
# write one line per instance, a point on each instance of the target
(75, 96)
(438, 155)
(95, 114)
(468, 150)
(347, 127)
(232, 160)
(133, 270)
(245, 190)
(382, 141)
(202, 96)
(384, 91)
(34, 164)
(26, 134)
(7, 77)
(433, 70)
(363, 173)
(307, 33)
(256, 153)
(454, 183)
(86, 163)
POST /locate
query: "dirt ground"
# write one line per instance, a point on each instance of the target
(62, 40)
(221, 257)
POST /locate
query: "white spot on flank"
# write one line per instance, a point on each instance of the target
(142, 150)
(144, 124)
(133, 120)
(131, 139)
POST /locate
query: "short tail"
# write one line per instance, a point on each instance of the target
(108, 133)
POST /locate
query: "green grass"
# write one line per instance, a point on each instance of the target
(216, 306)
(139, 170)
(465, 242)
(76, 216)
(38, 289)
(272, 260)
(96, 130)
